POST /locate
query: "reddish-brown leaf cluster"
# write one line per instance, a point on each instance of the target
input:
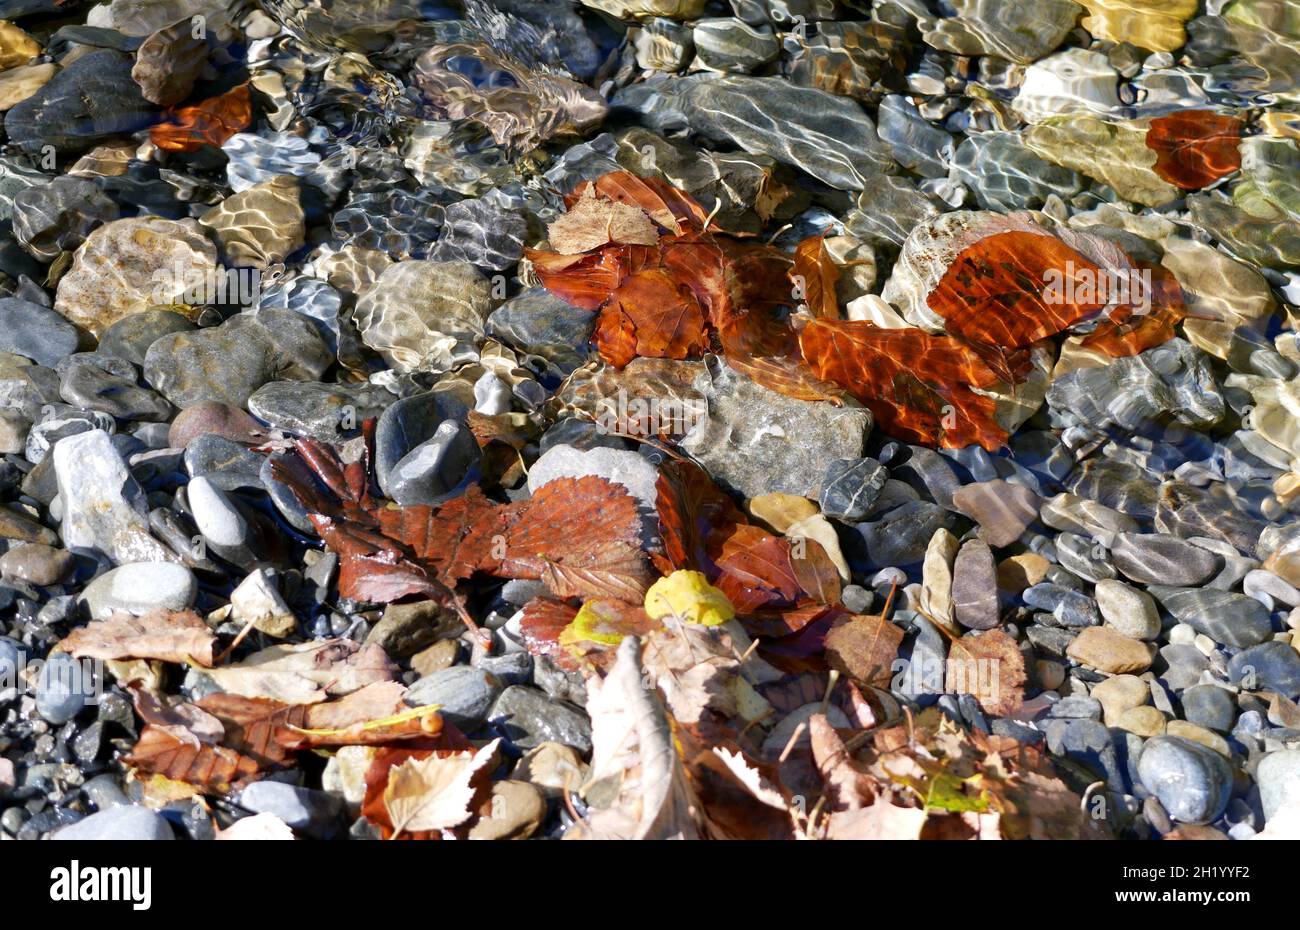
(775, 317)
(581, 536)
(776, 591)
(694, 291)
(209, 122)
(1194, 148)
(224, 739)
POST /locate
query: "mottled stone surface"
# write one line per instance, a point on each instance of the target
(259, 226)
(419, 312)
(756, 441)
(93, 98)
(130, 264)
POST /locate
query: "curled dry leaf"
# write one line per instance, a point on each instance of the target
(226, 738)
(881, 820)
(434, 793)
(306, 673)
(814, 276)
(633, 752)
(178, 636)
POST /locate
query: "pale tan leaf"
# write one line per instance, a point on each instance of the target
(434, 793)
(263, 826)
(168, 635)
(592, 223)
(633, 750)
(880, 821)
(306, 673)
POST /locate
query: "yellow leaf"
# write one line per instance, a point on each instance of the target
(688, 596)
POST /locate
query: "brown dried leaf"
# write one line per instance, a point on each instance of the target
(434, 793)
(989, 666)
(582, 536)
(864, 648)
(306, 673)
(178, 636)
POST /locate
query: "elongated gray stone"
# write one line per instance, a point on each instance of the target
(1156, 558)
(103, 506)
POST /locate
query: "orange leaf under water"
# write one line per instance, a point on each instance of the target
(650, 315)
(917, 385)
(1194, 148)
(210, 122)
(1013, 289)
(815, 276)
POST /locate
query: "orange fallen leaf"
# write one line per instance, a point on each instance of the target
(210, 122)
(1194, 148)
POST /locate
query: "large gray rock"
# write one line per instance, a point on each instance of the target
(127, 822)
(1225, 616)
(755, 441)
(1191, 781)
(829, 137)
(227, 363)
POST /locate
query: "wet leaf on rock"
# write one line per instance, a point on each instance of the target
(1194, 148)
(210, 122)
(917, 385)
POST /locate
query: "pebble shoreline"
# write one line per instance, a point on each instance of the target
(294, 222)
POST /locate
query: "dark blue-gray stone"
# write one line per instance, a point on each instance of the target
(463, 694)
(851, 487)
(526, 718)
(227, 464)
(900, 537)
(1271, 666)
(93, 98)
(413, 420)
(1225, 616)
(1210, 706)
(34, 331)
(1192, 782)
(437, 469)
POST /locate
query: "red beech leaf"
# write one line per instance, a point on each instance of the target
(586, 281)
(917, 385)
(582, 536)
(650, 315)
(997, 292)
(1194, 148)
(754, 567)
(543, 621)
(690, 507)
(815, 275)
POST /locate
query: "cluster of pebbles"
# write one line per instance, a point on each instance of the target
(341, 238)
